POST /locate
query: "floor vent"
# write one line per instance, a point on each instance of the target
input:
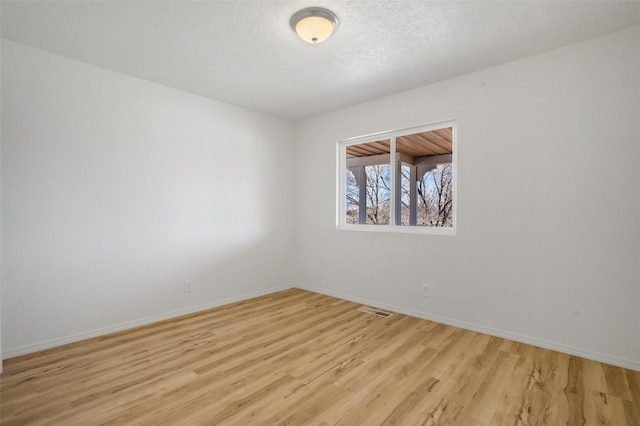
(375, 312)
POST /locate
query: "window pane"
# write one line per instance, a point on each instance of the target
(426, 178)
(368, 185)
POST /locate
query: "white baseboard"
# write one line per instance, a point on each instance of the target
(23, 350)
(570, 350)
(595, 356)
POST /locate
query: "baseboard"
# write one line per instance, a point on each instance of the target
(570, 350)
(595, 356)
(35, 347)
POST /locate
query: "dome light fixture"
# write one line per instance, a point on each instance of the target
(314, 24)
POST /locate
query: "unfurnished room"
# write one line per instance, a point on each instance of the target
(378, 212)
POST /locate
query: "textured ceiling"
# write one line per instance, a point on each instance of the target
(244, 52)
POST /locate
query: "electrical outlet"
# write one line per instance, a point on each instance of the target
(187, 286)
(426, 290)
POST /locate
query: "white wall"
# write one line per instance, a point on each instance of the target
(1, 357)
(115, 191)
(548, 236)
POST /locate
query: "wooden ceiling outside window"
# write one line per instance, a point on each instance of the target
(435, 142)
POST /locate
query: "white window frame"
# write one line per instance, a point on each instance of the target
(341, 177)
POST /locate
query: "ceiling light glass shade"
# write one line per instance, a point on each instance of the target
(314, 25)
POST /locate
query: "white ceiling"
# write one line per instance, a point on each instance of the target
(245, 53)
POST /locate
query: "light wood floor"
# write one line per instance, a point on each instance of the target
(296, 358)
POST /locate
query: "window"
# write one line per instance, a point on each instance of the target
(399, 181)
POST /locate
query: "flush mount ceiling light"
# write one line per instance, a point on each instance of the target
(314, 24)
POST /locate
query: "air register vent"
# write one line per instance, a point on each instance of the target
(375, 312)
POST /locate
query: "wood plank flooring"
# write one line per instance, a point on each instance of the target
(295, 358)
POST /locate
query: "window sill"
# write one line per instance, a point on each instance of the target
(424, 230)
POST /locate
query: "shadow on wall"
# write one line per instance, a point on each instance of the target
(89, 247)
